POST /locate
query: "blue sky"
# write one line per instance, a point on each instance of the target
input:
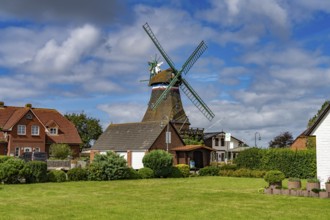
(266, 69)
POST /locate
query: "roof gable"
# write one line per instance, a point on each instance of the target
(317, 122)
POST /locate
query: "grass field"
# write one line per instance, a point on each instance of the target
(189, 198)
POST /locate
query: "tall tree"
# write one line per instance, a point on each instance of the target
(313, 119)
(282, 140)
(88, 128)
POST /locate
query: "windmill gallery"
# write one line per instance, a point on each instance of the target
(165, 122)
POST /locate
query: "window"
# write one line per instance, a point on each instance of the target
(37, 149)
(53, 131)
(29, 116)
(222, 142)
(216, 143)
(16, 151)
(21, 130)
(35, 130)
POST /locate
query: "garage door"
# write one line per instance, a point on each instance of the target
(123, 154)
(137, 157)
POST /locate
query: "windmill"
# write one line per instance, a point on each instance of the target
(165, 98)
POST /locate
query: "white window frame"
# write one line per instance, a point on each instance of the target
(37, 149)
(53, 129)
(27, 149)
(35, 130)
(17, 151)
(21, 129)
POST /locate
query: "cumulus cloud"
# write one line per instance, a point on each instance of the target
(59, 57)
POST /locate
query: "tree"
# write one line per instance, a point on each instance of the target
(88, 128)
(313, 119)
(282, 140)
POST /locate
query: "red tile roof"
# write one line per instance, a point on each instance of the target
(68, 133)
(191, 147)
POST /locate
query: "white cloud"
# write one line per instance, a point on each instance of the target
(60, 57)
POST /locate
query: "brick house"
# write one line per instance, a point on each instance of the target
(134, 140)
(27, 129)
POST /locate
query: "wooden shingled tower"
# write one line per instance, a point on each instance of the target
(165, 101)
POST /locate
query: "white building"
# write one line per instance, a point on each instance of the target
(225, 149)
(321, 130)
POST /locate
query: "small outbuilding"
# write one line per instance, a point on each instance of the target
(134, 140)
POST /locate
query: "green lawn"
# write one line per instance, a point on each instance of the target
(189, 198)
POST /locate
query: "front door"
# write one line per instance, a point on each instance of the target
(198, 158)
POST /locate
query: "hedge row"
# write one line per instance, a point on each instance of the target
(300, 164)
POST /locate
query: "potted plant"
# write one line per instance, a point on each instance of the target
(294, 183)
(312, 183)
(327, 185)
(274, 178)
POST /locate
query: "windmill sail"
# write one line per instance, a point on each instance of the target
(194, 57)
(147, 28)
(196, 100)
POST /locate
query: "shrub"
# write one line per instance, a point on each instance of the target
(226, 172)
(293, 179)
(175, 173)
(258, 173)
(133, 174)
(11, 170)
(159, 161)
(4, 158)
(274, 176)
(60, 151)
(301, 164)
(184, 169)
(313, 180)
(108, 167)
(209, 171)
(56, 176)
(77, 174)
(35, 172)
(228, 167)
(146, 173)
(242, 173)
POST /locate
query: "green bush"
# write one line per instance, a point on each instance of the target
(209, 171)
(60, 151)
(258, 173)
(108, 167)
(133, 174)
(4, 158)
(77, 174)
(184, 169)
(300, 164)
(250, 158)
(146, 173)
(243, 172)
(11, 170)
(274, 176)
(159, 161)
(226, 172)
(175, 173)
(313, 180)
(228, 167)
(56, 176)
(35, 172)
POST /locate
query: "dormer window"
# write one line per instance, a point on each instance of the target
(53, 131)
(21, 130)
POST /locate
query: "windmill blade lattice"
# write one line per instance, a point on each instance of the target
(194, 57)
(147, 28)
(196, 100)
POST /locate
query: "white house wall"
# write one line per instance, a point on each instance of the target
(322, 133)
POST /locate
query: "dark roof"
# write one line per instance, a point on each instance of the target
(129, 136)
(310, 130)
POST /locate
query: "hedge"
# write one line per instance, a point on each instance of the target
(300, 164)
